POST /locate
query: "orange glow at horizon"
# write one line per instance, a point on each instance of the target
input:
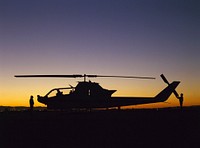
(20, 94)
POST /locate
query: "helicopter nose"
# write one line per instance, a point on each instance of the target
(39, 98)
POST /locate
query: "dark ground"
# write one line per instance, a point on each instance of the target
(125, 128)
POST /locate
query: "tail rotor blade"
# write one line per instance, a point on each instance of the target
(164, 79)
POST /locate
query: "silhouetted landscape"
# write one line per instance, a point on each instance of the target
(167, 127)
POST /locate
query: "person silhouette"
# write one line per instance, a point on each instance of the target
(59, 93)
(181, 100)
(31, 103)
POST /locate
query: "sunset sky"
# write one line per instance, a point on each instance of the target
(106, 37)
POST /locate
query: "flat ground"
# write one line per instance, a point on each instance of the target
(113, 128)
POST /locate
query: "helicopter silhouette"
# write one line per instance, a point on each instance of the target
(89, 94)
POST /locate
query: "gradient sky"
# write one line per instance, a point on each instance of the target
(107, 37)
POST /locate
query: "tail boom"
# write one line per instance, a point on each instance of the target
(161, 97)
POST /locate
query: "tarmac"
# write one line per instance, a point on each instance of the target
(99, 129)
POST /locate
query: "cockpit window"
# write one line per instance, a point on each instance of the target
(58, 92)
(52, 93)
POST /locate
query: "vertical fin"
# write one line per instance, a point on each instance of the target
(164, 94)
(166, 81)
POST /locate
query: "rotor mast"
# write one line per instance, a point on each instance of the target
(84, 77)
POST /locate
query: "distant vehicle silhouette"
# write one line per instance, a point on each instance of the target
(89, 94)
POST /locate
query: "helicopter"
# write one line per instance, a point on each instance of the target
(89, 94)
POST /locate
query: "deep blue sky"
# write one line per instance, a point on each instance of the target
(122, 37)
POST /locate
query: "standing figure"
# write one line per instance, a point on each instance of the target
(31, 103)
(181, 100)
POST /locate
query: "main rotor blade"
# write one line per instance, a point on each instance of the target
(48, 76)
(131, 77)
(79, 76)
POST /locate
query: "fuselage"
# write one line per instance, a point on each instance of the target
(92, 95)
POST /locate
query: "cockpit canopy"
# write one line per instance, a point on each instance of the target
(83, 89)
